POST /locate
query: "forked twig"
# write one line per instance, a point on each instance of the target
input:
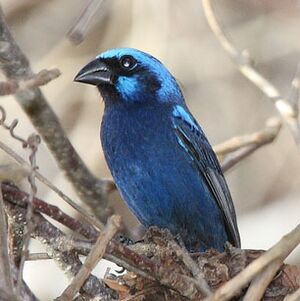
(287, 109)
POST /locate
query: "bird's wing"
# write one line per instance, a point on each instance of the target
(191, 137)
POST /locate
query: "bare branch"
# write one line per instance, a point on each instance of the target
(16, 67)
(278, 252)
(243, 63)
(40, 79)
(259, 138)
(193, 267)
(259, 284)
(32, 142)
(79, 30)
(236, 149)
(45, 181)
(96, 254)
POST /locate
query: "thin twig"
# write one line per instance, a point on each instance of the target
(259, 138)
(279, 251)
(96, 254)
(192, 266)
(79, 30)
(236, 157)
(45, 181)
(37, 256)
(260, 283)
(33, 141)
(243, 62)
(16, 66)
(236, 149)
(6, 283)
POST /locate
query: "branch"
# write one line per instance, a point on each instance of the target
(237, 148)
(96, 254)
(278, 252)
(40, 79)
(288, 110)
(16, 66)
(25, 167)
(79, 30)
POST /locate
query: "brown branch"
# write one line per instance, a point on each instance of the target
(192, 266)
(278, 252)
(45, 181)
(18, 197)
(243, 62)
(158, 263)
(40, 79)
(16, 66)
(96, 254)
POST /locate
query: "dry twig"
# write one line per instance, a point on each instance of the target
(79, 30)
(260, 283)
(96, 254)
(40, 79)
(237, 148)
(32, 142)
(16, 67)
(287, 109)
(278, 252)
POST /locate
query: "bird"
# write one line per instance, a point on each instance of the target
(160, 159)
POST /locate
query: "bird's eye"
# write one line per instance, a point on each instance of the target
(127, 62)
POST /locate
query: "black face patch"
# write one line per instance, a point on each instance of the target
(146, 78)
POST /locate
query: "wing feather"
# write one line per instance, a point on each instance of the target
(194, 142)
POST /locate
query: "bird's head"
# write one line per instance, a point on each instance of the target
(130, 76)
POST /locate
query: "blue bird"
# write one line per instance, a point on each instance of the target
(159, 157)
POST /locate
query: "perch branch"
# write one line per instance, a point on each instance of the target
(192, 266)
(285, 108)
(15, 66)
(260, 283)
(278, 252)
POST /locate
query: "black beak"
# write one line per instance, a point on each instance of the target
(95, 73)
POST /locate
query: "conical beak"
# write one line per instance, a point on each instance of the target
(94, 73)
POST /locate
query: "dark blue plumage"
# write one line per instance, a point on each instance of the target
(159, 157)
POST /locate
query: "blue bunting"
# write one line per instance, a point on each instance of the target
(159, 157)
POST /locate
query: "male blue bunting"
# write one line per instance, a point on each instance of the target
(159, 157)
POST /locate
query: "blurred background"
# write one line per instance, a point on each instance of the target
(265, 187)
